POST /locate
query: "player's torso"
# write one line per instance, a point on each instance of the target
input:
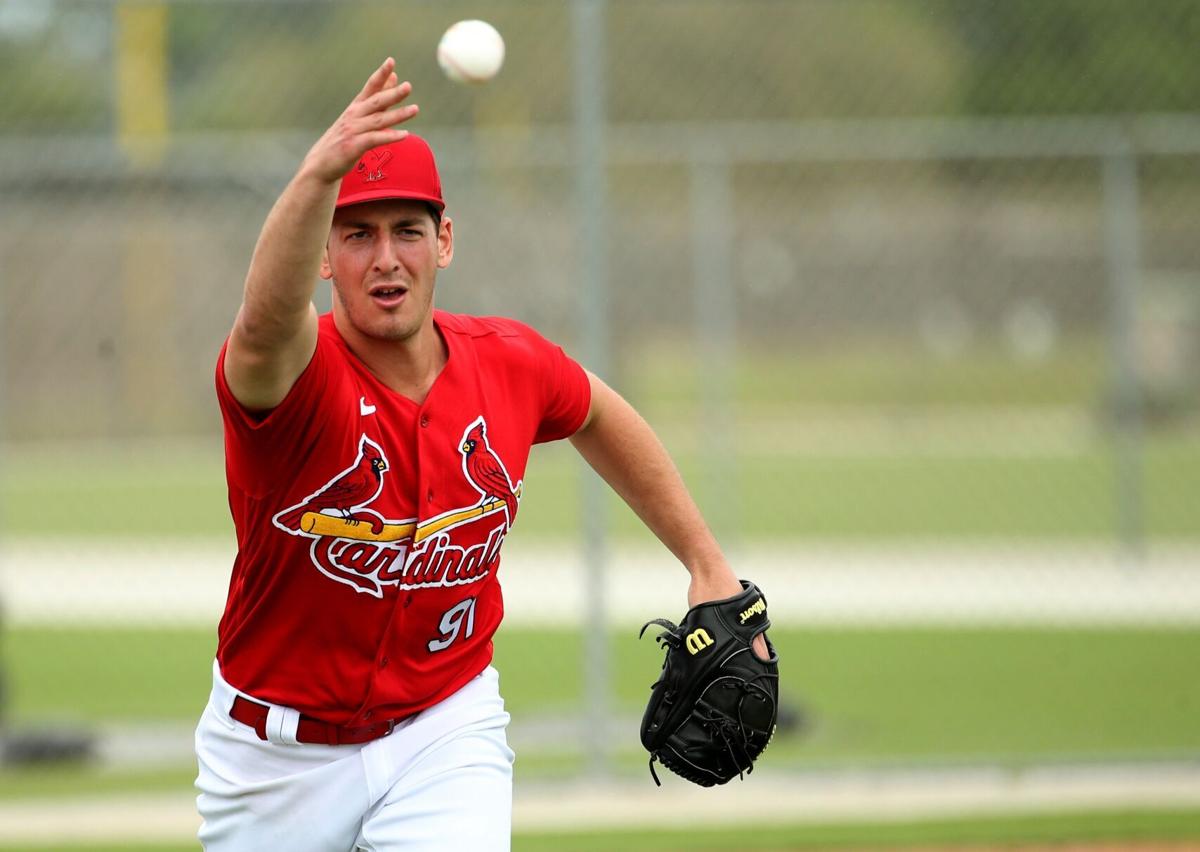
(378, 559)
(433, 476)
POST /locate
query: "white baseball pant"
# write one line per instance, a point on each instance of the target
(441, 780)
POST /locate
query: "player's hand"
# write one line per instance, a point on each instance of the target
(705, 587)
(367, 122)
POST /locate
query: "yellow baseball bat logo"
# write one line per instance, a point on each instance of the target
(698, 640)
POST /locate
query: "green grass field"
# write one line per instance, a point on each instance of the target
(1010, 831)
(866, 696)
(864, 440)
(869, 373)
(861, 447)
(1148, 827)
(888, 494)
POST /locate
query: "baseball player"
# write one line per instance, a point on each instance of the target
(375, 460)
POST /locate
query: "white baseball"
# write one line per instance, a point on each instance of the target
(471, 52)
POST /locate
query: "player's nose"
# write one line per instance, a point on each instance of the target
(387, 259)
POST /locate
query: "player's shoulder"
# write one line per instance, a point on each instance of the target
(330, 342)
(326, 330)
(501, 330)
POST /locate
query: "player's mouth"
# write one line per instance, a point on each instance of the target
(388, 296)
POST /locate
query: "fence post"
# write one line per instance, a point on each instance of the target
(588, 23)
(713, 226)
(1123, 260)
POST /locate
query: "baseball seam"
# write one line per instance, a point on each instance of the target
(447, 59)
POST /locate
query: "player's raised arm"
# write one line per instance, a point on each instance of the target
(275, 332)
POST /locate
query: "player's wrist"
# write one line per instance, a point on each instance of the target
(315, 176)
(708, 565)
(712, 581)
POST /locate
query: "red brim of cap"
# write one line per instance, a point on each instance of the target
(386, 195)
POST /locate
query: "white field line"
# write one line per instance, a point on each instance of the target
(184, 583)
(763, 799)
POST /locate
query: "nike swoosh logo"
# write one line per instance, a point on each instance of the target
(364, 407)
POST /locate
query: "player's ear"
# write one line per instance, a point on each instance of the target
(445, 242)
(326, 269)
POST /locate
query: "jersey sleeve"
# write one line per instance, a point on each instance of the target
(261, 447)
(566, 393)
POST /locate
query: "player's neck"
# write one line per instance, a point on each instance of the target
(409, 366)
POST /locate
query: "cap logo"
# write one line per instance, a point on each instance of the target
(370, 167)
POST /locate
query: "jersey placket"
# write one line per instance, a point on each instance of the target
(400, 434)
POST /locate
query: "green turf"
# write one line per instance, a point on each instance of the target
(1146, 826)
(870, 374)
(900, 491)
(1011, 695)
(871, 696)
(107, 674)
(862, 440)
(1094, 827)
(84, 780)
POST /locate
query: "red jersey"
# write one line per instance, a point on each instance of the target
(369, 527)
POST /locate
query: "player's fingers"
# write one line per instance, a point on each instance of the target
(393, 95)
(384, 99)
(377, 79)
(386, 118)
(396, 116)
(381, 137)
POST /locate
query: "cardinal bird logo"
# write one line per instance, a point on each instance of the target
(485, 471)
(353, 544)
(370, 167)
(353, 489)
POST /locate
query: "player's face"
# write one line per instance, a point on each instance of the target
(383, 258)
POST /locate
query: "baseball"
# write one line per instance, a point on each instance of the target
(471, 52)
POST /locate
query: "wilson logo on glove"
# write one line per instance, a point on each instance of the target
(698, 640)
(759, 606)
(711, 715)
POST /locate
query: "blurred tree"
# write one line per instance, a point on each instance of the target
(288, 65)
(1079, 56)
(55, 68)
(714, 60)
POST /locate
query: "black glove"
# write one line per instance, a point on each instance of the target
(712, 712)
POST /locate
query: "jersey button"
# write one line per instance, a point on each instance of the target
(383, 663)
(429, 496)
(424, 420)
(368, 714)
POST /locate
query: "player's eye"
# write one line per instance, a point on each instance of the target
(356, 235)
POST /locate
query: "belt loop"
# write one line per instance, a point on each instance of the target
(281, 725)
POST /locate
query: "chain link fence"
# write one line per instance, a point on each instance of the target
(910, 287)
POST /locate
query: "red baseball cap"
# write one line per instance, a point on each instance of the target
(404, 169)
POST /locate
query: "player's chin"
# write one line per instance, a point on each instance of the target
(390, 325)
